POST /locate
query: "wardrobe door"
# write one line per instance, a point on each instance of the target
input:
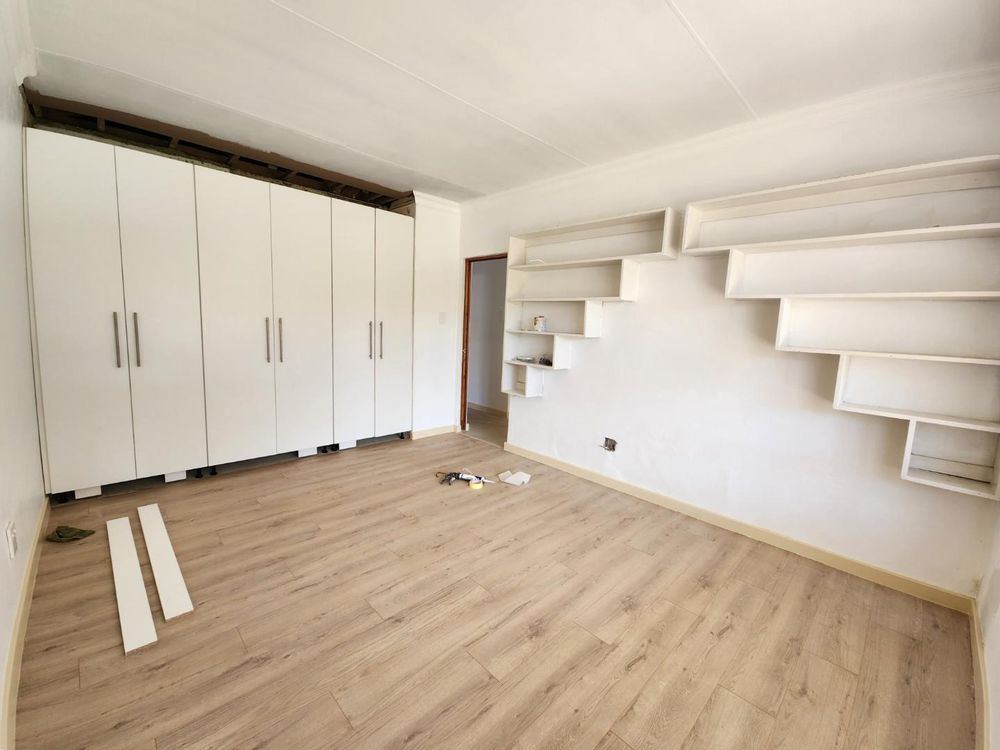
(353, 322)
(237, 320)
(301, 263)
(79, 311)
(163, 314)
(394, 316)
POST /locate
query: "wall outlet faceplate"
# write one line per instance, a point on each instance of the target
(10, 535)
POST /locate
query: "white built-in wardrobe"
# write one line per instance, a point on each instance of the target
(186, 317)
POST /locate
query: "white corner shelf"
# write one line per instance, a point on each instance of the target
(889, 202)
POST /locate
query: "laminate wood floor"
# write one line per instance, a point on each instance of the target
(350, 601)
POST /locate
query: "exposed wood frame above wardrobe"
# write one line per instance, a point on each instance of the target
(132, 130)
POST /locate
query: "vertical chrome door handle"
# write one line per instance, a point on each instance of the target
(135, 323)
(381, 340)
(281, 341)
(118, 346)
(267, 338)
(371, 339)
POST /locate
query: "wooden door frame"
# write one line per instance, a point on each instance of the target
(463, 416)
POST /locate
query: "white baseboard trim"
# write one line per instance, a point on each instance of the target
(920, 589)
(980, 682)
(434, 431)
(12, 669)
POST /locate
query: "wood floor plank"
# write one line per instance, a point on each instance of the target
(944, 684)
(815, 708)
(730, 723)
(352, 587)
(762, 670)
(838, 631)
(887, 704)
(668, 706)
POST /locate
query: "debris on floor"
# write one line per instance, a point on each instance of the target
(475, 481)
(517, 478)
(67, 534)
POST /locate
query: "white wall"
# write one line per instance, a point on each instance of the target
(486, 308)
(437, 316)
(21, 497)
(989, 614)
(704, 409)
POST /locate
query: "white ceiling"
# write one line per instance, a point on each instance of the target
(467, 97)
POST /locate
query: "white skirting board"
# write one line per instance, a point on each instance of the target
(133, 606)
(174, 597)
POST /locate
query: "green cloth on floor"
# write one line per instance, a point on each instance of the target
(68, 534)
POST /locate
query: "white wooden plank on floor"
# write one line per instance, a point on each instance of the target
(133, 605)
(174, 597)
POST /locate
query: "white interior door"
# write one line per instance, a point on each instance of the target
(353, 322)
(394, 321)
(301, 263)
(163, 311)
(237, 318)
(79, 311)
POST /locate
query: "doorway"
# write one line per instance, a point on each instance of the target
(484, 405)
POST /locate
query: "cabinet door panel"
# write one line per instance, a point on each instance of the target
(237, 318)
(353, 321)
(77, 286)
(301, 262)
(394, 316)
(160, 267)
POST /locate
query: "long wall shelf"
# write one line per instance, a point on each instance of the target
(566, 275)
(891, 205)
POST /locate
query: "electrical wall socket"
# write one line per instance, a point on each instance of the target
(10, 534)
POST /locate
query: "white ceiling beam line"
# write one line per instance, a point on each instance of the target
(304, 133)
(426, 82)
(712, 58)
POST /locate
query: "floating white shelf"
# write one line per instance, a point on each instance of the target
(568, 299)
(518, 363)
(961, 268)
(563, 334)
(941, 330)
(947, 393)
(889, 202)
(867, 239)
(591, 262)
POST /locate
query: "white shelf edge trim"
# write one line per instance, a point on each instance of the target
(899, 236)
(170, 586)
(134, 614)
